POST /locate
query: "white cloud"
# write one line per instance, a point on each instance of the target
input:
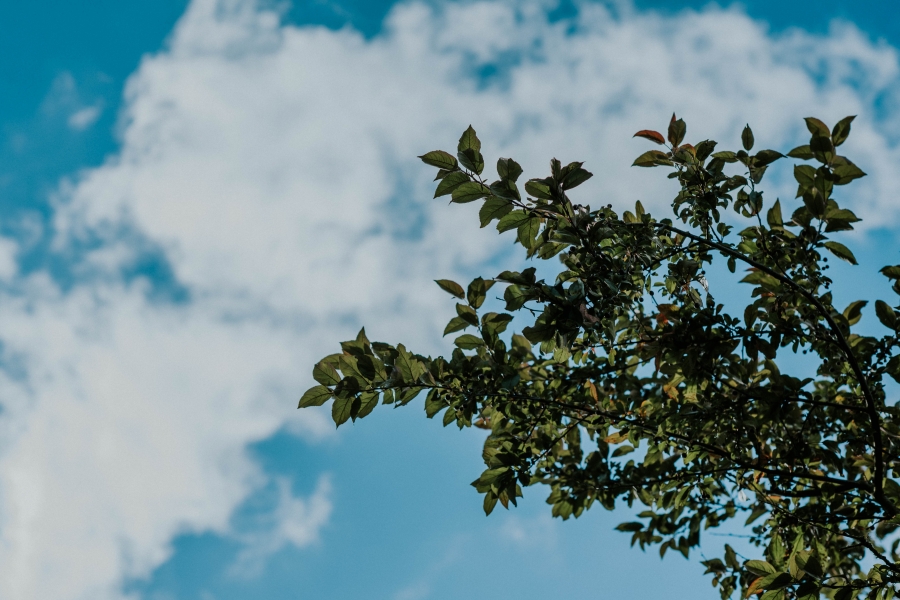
(292, 521)
(83, 118)
(274, 167)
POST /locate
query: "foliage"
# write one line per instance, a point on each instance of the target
(631, 384)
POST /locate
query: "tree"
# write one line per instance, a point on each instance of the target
(632, 384)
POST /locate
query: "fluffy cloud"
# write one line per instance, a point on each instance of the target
(273, 167)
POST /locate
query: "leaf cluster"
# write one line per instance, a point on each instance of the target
(628, 383)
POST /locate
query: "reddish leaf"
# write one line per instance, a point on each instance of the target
(653, 136)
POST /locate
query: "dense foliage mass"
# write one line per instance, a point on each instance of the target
(632, 384)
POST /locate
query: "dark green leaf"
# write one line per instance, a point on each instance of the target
(469, 141)
(509, 169)
(853, 313)
(538, 189)
(841, 251)
(842, 130)
(747, 138)
(326, 374)
(451, 287)
(470, 191)
(467, 341)
(847, 173)
(886, 314)
(439, 159)
(450, 182)
(315, 396)
(817, 127)
(801, 152)
(512, 220)
(494, 208)
(340, 410)
(456, 324)
(652, 158)
(677, 131)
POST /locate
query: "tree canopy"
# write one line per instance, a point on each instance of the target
(630, 384)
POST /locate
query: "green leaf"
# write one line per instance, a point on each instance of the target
(726, 155)
(847, 173)
(467, 313)
(760, 567)
(326, 374)
(767, 157)
(477, 291)
(494, 208)
(315, 396)
(527, 231)
(450, 182)
(340, 410)
(467, 341)
(512, 220)
(470, 191)
(409, 366)
(652, 158)
(508, 169)
(456, 324)
(451, 287)
(469, 141)
(841, 130)
(841, 251)
(773, 217)
(538, 189)
(368, 402)
(747, 138)
(891, 272)
(801, 152)
(817, 127)
(440, 159)
(886, 314)
(853, 313)
(677, 131)
(575, 178)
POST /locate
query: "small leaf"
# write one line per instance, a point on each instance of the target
(747, 138)
(726, 155)
(512, 220)
(467, 341)
(651, 158)
(494, 208)
(469, 141)
(841, 251)
(340, 410)
(451, 287)
(326, 374)
(853, 313)
(450, 182)
(760, 567)
(891, 272)
(847, 173)
(801, 152)
(842, 130)
(456, 324)
(817, 127)
(653, 136)
(440, 159)
(470, 191)
(773, 217)
(767, 157)
(509, 169)
(538, 189)
(575, 178)
(677, 130)
(886, 314)
(315, 396)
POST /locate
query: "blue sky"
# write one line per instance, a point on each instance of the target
(174, 254)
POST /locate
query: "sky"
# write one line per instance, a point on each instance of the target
(200, 199)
